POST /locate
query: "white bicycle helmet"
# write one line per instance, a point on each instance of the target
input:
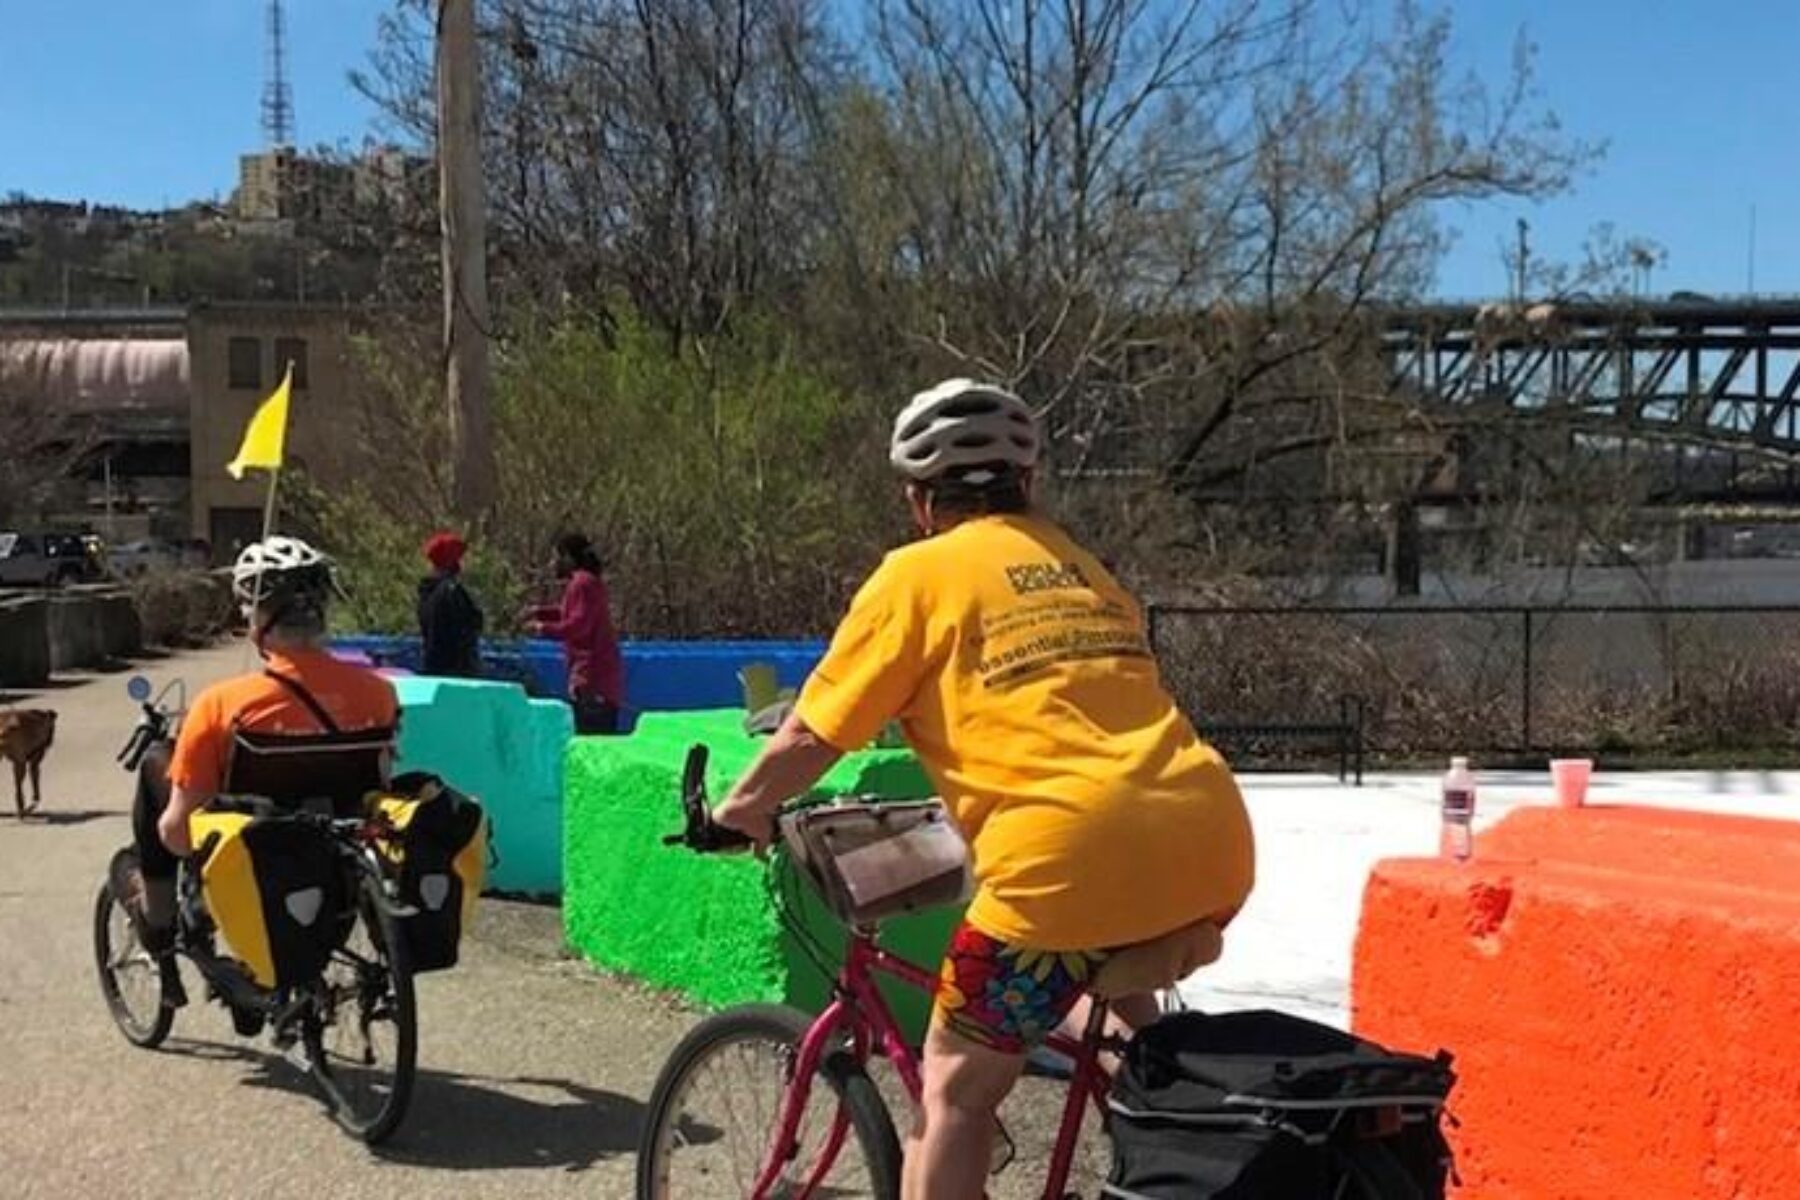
(280, 569)
(966, 429)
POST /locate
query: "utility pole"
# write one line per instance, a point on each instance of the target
(462, 205)
(1524, 255)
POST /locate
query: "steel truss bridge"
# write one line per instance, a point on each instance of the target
(1719, 377)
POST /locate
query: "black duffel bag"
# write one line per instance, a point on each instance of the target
(1266, 1106)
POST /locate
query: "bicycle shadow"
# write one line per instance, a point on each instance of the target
(467, 1122)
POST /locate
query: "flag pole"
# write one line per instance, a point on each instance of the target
(268, 526)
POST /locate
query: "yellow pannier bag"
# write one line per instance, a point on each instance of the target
(274, 886)
(433, 843)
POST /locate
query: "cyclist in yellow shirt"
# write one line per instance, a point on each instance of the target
(1020, 672)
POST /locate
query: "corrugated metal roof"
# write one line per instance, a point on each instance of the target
(99, 374)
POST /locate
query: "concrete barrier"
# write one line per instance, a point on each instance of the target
(24, 641)
(122, 632)
(705, 926)
(1619, 988)
(492, 742)
(659, 676)
(89, 627)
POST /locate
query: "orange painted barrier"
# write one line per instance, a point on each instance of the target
(1621, 990)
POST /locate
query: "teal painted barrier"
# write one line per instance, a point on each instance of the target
(490, 741)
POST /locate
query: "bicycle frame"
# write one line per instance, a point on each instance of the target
(859, 1012)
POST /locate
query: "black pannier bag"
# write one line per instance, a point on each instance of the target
(435, 849)
(1266, 1106)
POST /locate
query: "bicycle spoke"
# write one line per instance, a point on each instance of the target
(358, 1034)
(729, 1119)
(136, 975)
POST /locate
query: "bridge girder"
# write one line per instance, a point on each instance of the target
(1720, 374)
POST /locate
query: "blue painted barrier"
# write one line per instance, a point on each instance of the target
(659, 676)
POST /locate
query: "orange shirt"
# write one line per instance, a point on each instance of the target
(356, 697)
(1019, 670)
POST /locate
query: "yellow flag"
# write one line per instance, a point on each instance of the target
(267, 433)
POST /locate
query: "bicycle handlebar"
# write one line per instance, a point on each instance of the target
(700, 833)
(153, 727)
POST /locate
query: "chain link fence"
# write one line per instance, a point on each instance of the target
(1619, 681)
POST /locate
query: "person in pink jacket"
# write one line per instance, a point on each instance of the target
(583, 623)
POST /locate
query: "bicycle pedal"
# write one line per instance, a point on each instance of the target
(297, 1057)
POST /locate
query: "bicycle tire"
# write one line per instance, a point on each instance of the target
(387, 937)
(871, 1127)
(1374, 1173)
(147, 1035)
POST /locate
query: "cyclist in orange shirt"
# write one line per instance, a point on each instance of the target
(1020, 672)
(284, 587)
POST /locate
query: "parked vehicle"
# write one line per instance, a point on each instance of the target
(46, 559)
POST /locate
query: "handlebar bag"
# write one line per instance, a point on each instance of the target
(872, 861)
(275, 888)
(435, 849)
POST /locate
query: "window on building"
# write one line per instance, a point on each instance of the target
(232, 529)
(244, 362)
(291, 350)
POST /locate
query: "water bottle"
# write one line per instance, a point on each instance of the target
(1456, 840)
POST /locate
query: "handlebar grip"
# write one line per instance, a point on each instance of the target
(701, 833)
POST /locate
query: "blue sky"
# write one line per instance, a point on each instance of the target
(1695, 100)
(142, 102)
(127, 101)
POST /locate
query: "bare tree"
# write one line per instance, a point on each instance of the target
(43, 442)
(1170, 223)
(654, 151)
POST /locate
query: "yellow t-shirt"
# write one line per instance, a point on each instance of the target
(1020, 672)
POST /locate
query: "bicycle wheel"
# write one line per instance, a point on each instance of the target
(717, 1106)
(130, 978)
(1371, 1172)
(362, 1032)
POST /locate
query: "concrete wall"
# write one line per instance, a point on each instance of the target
(24, 641)
(60, 631)
(1619, 988)
(90, 628)
(219, 412)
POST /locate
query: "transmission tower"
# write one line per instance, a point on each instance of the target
(277, 98)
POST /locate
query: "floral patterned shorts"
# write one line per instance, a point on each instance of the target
(1005, 997)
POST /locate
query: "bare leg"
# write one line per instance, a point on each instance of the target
(947, 1156)
(1127, 1015)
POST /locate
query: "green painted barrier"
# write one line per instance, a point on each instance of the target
(492, 742)
(707, 926)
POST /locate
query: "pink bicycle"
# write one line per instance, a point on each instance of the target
(762, 1102)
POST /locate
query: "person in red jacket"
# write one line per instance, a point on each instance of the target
(584, 625)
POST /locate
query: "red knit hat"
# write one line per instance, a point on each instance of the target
(445, 550)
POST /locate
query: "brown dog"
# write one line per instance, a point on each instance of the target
(25, 737)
